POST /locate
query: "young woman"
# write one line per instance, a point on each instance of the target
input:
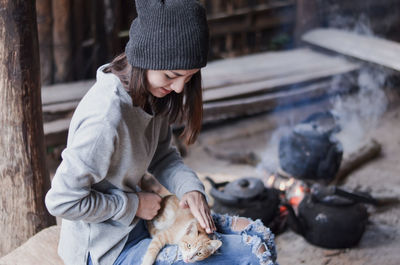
(121, 130)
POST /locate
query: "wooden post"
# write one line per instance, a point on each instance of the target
(307, 17)
(112, 24)
(62, 40)
(45, 32)
(23, 176)
(79, 27)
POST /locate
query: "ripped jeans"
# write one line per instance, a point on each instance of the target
(244, 242)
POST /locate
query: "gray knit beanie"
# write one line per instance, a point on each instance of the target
(168, 35)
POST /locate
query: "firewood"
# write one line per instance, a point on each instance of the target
(354, 160)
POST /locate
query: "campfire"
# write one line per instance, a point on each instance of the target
(298, 194)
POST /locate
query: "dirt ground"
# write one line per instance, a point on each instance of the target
(380, 243)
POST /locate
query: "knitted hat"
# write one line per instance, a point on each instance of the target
(168, 35)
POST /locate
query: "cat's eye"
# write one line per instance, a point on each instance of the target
(198, 253)
(188, 246)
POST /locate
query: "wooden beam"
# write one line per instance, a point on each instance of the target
(24, 180)
(366, 48)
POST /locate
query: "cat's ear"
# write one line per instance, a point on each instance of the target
(191, 230)
(213, 245)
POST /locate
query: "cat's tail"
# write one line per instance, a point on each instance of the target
(156, 244)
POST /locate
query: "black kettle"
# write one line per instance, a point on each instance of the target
(246, 197)
(310, 151)
(331, 217)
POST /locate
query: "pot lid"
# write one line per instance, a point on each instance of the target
(245, 188)
(320, 124)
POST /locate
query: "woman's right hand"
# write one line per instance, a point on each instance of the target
(149, 204)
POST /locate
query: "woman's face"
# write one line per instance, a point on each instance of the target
(163, 82)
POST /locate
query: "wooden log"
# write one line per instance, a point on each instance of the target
(62, 40)
(351, 162)
(366, 48)
(23, 175)
(45, 33)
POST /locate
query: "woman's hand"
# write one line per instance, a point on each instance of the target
(196, 202)
(149, 204)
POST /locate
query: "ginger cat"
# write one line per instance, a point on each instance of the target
(174, 225)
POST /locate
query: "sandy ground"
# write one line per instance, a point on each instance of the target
(380, 243)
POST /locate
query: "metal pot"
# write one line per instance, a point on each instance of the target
(331, 217)
(246, 197)
(310, 151)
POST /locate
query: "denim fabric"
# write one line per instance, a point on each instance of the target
(238, 247)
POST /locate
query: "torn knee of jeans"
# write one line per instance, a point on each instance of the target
(259, 248)
(240, 223)
(258, 228)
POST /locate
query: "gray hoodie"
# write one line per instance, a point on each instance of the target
(111, 145)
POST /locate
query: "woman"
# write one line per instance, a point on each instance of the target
(121, 130)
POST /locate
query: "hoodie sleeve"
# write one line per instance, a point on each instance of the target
(86, 161)
(167, 166)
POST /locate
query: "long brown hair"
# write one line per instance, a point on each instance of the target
(185, 108)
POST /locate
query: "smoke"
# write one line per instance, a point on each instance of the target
(357, 112)
(270, 158)
(360, 112)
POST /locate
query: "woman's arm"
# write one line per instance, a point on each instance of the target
(86, 161)
(167, 166)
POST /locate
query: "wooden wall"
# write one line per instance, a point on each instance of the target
(78, 36)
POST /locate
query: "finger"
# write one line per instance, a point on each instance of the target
(209, 223)
(210, 219)
(196, 213)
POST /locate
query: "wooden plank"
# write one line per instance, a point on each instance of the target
(366, 48)
(233, 77)
(267, 65)
(65, 92)
(60, 107)
(56, 132)
(215, 111)
(298, 74)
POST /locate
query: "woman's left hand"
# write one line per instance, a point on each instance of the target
(196, 202)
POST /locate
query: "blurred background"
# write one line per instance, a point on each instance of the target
(76, 37)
